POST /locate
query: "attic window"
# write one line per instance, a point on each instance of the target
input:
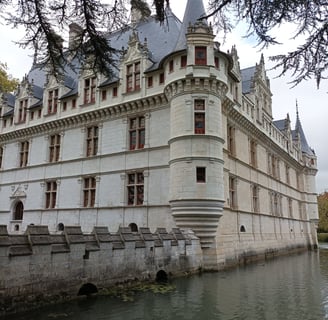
(201, 56)
(115, 92)
(133, 77)
(90, 90)
(52, 101)
(216, 62)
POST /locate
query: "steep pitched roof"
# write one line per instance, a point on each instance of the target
(247, 76)
(298, 132)
(194, 10)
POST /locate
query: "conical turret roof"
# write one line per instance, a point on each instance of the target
(194, 10)
(299, 131)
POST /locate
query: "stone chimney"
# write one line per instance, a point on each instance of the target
(75, 34)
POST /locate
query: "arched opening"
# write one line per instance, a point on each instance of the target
(60, 227)
(87, 289)
(18, 211)
(161, 276)
(16, 228)
(242, 229)
(133, 227)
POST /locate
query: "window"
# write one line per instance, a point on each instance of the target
(54, 148)
(253, 153)
(89, 192)
(64, 105)
(51, 194)
(150, 82)
(23, 153)
(276, 204)
(92, 141)
(183, 61)
(231, 140)
(287, 174)
(216, 62)
(199, 107)
(161, 78)
(18, 211)
(233, 192)
(137, 133)
(171, 66)
(90, 90)
(135, 188)
(1, 156)
(200, 56)
(290, 208)
(39, 113)
(103, 95)
(31, 115)
(255, 199)
(52, 101)
(22, 110)
(73, 103)
(133, 77)
(273, 166)
(115, 92)
(201, 174)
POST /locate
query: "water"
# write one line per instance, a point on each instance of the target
(288, 288)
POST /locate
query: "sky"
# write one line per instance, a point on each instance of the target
(312, 102)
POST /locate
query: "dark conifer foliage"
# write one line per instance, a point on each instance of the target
(43, 20)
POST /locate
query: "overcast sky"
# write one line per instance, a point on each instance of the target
(312, 102)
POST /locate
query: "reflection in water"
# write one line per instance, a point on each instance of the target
(294, 287)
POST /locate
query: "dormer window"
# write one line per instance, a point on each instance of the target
(52, 101)
(90, 90)
(200, 56)
(22, 110)
(133, 77)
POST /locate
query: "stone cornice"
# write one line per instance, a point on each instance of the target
(195, 84)
(91, 116)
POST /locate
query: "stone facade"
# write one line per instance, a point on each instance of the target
(43, 267)
(178, 137)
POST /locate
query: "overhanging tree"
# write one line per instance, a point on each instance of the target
(42, 19)
(7, 82)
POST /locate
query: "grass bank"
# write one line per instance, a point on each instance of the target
(323, 237)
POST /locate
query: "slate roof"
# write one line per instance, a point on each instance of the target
(194, 10)
(299, 132)
(280, 124)
(247, 76)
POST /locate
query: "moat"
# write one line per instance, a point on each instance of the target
(294, 287)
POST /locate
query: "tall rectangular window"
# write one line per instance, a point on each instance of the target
(255, 199)
(287, 169)
(171, 66)
(201, 56)
(73, 103)
(133, 77)
(199, 116)
(231, 141)
(54, 148)
(161, 78)
(183, 61)
(233, 192)
(89, 192)
(201, 174)
(1, 156)
(22, 110)
(253, 153)
(52, 101)
(90, 90)
(23, 153)
(137, 133)
(135, 188)
(217, 62)
(290, 208)
(92, 141)
(149, 81)
(51, 194)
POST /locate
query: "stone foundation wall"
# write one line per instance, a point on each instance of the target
(39, 265)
